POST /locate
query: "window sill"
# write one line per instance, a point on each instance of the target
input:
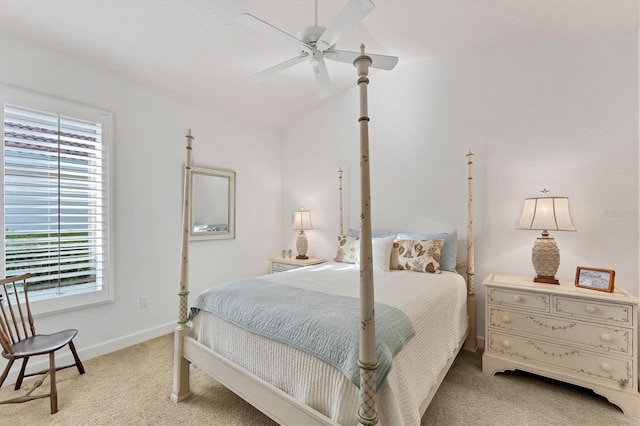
(69, 302)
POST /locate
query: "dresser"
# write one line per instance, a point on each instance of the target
(580, 336)
(281, 264)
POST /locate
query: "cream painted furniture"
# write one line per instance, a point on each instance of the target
(281, 264)
(265, 396)
(580, 336)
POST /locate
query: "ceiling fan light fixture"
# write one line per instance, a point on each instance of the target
(316, 58)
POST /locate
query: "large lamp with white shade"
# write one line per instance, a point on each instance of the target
(546, 214)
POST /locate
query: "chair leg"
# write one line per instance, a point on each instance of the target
(76, 358)
(53, 396)
(21, 375)
(5, 373)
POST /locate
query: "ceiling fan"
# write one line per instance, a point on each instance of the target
(316, 43)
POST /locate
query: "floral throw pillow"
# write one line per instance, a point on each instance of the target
(348, 249)
(416, 255)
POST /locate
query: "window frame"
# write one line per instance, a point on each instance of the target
(29, 99)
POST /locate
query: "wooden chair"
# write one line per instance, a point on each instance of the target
(20, 342)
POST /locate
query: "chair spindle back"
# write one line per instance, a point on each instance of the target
(14, 308)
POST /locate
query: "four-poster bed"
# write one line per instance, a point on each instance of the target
(291, 383)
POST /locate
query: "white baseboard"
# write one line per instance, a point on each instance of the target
(64, 357)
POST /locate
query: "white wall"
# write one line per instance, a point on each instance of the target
(561, 116)
(149, 156)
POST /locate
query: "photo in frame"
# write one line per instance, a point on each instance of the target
(595, 278)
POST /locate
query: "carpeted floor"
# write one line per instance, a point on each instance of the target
(132, 387)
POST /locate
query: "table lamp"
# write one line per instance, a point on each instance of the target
(546, 213)
(302, 221)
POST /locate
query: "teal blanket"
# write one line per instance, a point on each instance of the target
(323, 325)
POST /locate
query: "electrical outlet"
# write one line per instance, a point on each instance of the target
(144, 301)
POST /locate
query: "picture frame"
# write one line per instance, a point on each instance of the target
(595, 278)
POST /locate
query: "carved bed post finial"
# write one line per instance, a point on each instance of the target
(368, 362)
(181, 387)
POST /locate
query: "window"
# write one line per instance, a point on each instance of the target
(55, 199)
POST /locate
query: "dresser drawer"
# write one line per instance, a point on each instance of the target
(591, 310)
(608, 371)
(519, 299)
(600, 337)
(612, 313)
(281, 267)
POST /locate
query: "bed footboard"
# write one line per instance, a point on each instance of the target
(279, 406)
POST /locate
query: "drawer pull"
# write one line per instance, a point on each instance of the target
(591, 309)
(506, 344)
(606, 367)
(517, 298)
(506, 319)
(605, 337)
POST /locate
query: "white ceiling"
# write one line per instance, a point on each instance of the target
(196, 48)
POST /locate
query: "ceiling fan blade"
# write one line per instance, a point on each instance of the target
(270, 72)
(383, 62)
(352, 13)
(322, 80)
(259, 25)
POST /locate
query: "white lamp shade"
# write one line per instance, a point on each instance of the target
(302, 220)
(546, 213)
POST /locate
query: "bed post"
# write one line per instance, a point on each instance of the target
(180, 364)
(340, 188)
(471, 343)
(368, 362)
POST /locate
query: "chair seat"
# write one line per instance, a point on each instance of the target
(41, 344)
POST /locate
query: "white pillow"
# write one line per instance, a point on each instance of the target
(381, 248)
(382, 253)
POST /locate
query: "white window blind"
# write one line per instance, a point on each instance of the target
(54, 201)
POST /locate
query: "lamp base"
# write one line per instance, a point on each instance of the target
(546, 280)
(301, 245)
(546, 259)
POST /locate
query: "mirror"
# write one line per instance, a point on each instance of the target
(213, 204)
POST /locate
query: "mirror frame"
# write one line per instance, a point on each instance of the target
(231, 226)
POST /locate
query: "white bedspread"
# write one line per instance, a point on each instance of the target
(435, 304)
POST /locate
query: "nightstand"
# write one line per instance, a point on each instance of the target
(580, 336)
(281, 264)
